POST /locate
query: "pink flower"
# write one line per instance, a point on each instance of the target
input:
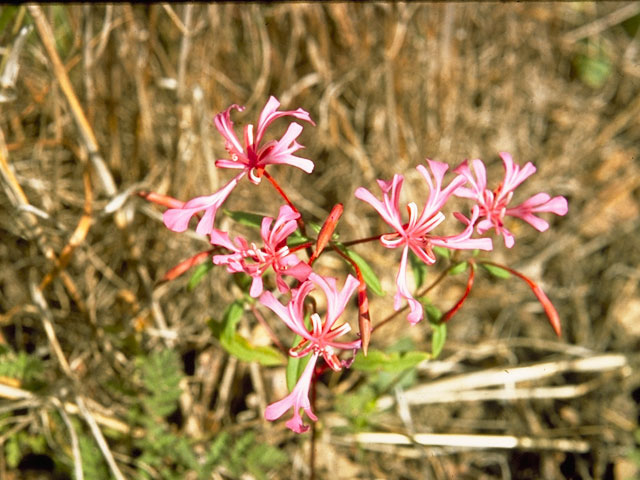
(255, 261)
(493, 205)
(319, 341)
(252, 157)
(297, 399)
(177, 219)
(414, 234)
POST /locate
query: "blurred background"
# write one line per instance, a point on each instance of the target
(105, 373)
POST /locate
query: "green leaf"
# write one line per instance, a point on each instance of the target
(419, 269)
(496, 271)
(443, 252)
(368, 275)
(198, 274)
(295, 367)
(593, 71)
(438, 337)
(316, 227)
(12, 451)
(296, 238)
(7, 14)
(433, 313)
(161, 375)
(245, 218)
(236, 344)
(592, 63)
(388, 362)
(458, 268)
(241, 348)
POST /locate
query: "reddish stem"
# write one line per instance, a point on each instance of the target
(447, 316)
(270, 332)
(364, 318)
(426, 290)
(286, 199)
(185, 265)
(362, 240)
(549, 309)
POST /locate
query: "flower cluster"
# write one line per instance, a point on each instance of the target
(417, 233)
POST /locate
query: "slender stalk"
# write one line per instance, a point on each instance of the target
(286, 199)
(549, 309)
(423, 292)
(362, 240)
(364, 319)
(269, 330)
(447, 316)
(312, 452)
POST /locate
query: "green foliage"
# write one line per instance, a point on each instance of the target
(419, 269)
(245, 218)
(458, 268)
(593, 63)
(93, 463)
(242, 455)
(198, 274)
(295, 367)
(7, 15)
(496, 271)
(20, 444)
(442, 252)
(433, 313)
(359, 406)
(22, 366)
(377, 360)
(394, 367)
(236, 344)
(438, 337)
(161, 373)
(369, 276)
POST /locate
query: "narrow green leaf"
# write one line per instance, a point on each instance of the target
(419, 269)
(236, 344)
(296, 238)
(241, 348)
(7, 14)
(442, 252)
(295, 367)
(438, 338)
(388, 362)
(198, 274)
(433, 313)
(458, 268)
(245, 218)
(496, 271)
(316, 227)
(368, 274)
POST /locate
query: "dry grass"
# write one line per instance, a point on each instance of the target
(388, 86)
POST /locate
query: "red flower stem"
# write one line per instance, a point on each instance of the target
(286, 199)
(447, 316)
(300, 247)
(185, 265)
(312, 452)
(362, 240)
(364, 318)
(423, 292)
(270, 332)
(549, 309)
(300, 221)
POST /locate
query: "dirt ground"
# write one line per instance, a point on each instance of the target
(129, 106)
